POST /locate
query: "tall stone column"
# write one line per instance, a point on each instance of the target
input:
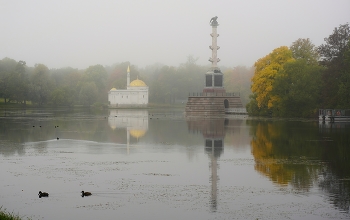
(214, 47)
(213, 100)
(214, 76)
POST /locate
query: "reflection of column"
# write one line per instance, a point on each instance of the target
(213, 131)
(214, 147)
(214, 179)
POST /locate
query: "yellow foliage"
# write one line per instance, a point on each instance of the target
(266, 69)
(273, 99)
(263, 152)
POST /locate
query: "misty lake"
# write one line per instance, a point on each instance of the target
(159, 164)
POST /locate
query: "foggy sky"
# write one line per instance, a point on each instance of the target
(81, 33)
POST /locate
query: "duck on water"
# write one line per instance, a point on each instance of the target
(85, 193)
(43, 194)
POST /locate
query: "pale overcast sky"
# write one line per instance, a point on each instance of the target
(81, 33)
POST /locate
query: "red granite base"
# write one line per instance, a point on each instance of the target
(211, 105)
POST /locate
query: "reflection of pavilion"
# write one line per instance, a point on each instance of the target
(135, 122)
(328, 127)
(213, 131)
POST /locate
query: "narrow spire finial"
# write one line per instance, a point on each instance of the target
(128, 69)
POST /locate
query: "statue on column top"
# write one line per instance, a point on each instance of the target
(213, 20)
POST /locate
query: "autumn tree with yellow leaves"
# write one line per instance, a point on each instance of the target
(266, 70)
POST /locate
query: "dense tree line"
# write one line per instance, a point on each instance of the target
(298, 80)
(68, 86)
(42, 86)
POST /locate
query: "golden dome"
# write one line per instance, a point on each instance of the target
(138, 83)
(113, 127)
(113, 89)
(137, 133)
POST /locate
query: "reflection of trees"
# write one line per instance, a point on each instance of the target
(11, 137)
(237, 135)
(335, 178)
(338, 189)
(297, 154)
(283, 153)
(19, 127)
(8, 148)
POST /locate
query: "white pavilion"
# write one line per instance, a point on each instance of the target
(135, 94)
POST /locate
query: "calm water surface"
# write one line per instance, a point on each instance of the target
(157, 164)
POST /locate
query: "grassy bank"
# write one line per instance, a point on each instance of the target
(4, 215)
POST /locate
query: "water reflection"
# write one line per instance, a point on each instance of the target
(331, 127)
(213, 131)
(301, 159)
(335, 178)
(304, 156)
(134, 121)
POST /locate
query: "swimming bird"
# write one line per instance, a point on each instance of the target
(85, 194)
(43, 194)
